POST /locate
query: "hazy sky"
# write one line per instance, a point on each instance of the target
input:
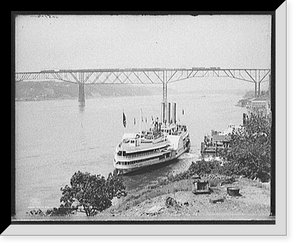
(124, 41)
(78, 42)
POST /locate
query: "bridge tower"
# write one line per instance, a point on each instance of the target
(165, 99)
(257, 79)
(81, 94)
(256, 85)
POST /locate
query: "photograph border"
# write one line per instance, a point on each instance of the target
(273, 208)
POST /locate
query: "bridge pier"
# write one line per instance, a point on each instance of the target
(165, 100)
(81, 95)
(165, 87)
(257, 89)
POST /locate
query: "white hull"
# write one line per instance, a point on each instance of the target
(149, 163)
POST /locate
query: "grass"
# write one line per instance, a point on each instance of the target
(183, 182)
(152, 191)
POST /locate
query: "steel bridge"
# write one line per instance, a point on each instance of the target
(144, 76)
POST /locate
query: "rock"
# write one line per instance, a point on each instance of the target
(154, 210)
(216, 200)
(170, 202)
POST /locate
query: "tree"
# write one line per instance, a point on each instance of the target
(91, 192)
(250, 153)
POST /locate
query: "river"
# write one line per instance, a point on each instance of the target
(56, 138)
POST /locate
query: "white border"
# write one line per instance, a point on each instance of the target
(281, 118)
(160, 230)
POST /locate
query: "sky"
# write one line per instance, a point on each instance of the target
(139, 41)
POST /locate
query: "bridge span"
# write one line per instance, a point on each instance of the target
(144, 76)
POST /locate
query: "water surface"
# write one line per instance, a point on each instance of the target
(55, 139)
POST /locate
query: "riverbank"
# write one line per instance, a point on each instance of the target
(250, 96)
(175, 200)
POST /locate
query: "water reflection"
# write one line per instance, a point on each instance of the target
(81, 107)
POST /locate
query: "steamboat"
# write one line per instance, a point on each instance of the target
(163, 142)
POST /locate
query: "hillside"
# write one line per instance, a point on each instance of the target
(61, 90)
(152, 203)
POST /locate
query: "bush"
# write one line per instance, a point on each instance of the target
(178, 177)
(250, 153)
(91, 192)
(60, 211)
(203, 167)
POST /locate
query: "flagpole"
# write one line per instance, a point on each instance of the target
(123, 121)
(124, 124)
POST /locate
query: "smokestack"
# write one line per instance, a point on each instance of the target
(174, 113)
(169, 113)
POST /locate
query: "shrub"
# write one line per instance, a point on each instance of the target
(203, 167)
(250, 153)
(91, 192)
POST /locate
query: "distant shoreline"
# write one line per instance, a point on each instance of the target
(53, 90)
(49, 90)
(76, 98)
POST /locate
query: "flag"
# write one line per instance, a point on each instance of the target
(124, 120)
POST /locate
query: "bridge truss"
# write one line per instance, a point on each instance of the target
(144, 76)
